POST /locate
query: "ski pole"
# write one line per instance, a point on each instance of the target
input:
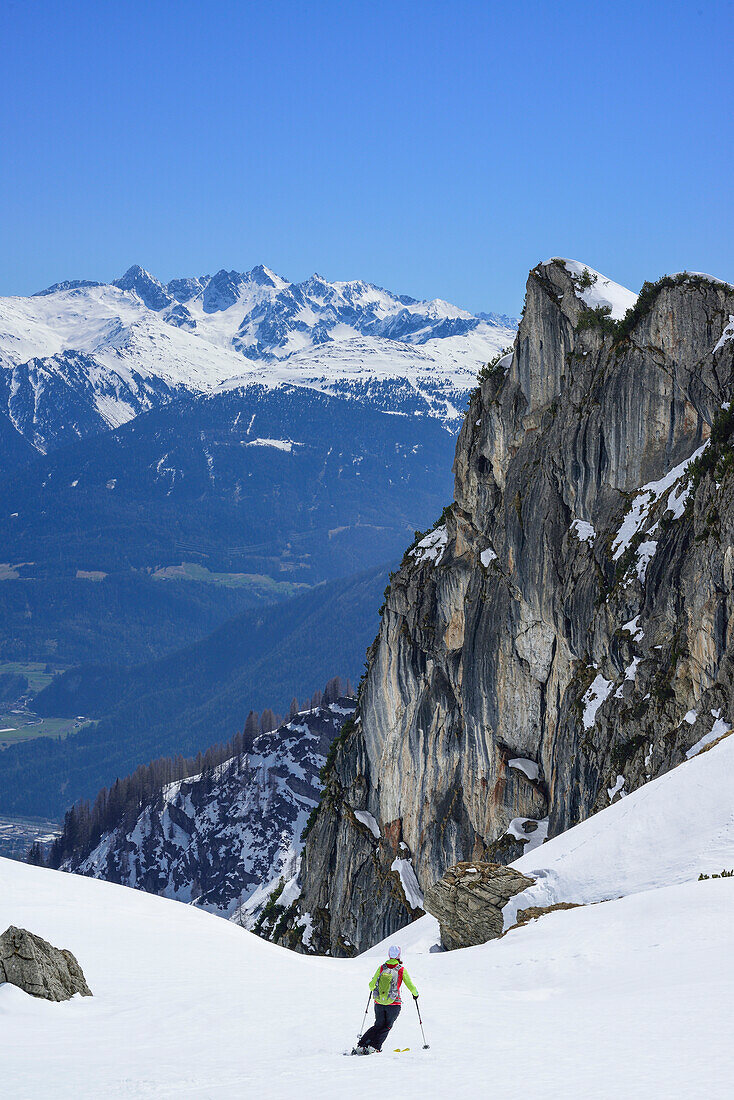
(420, 1021)
(364, 1018)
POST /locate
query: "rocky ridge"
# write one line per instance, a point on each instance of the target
(563, 634)
(226, 839)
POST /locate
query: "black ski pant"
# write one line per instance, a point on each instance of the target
(385, 1017)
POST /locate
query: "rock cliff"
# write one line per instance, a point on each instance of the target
(564, 633)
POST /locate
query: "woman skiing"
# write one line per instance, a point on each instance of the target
(385, 986)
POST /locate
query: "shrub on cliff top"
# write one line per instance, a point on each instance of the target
(600, 318)
(492, 369)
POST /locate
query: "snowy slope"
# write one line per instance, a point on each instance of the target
(223, 841)
(669, 831)
(633, 998)
(665, 833)
(141, 342)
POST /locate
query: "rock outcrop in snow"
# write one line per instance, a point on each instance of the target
(583, 657)
(468, 901)
(38, 968)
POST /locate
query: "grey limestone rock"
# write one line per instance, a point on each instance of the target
(564, 634)
(467, 901)
(37, 967)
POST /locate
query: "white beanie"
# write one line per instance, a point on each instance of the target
(394, 953)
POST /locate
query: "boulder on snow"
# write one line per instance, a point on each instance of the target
(467, 902)
(39, 968)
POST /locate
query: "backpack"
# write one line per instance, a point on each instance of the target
(388, 982)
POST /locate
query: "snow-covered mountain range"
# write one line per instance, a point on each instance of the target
(81, 356)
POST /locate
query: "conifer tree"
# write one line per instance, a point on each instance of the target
(35, 856)
(252, 728)
(333, 690)
(267, 721)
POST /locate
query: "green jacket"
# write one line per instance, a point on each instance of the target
(387, 981)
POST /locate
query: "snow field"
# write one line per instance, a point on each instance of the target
(668, 831)
(632, 998)
(629, 995)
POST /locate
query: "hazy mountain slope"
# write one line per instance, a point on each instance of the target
(193, 698)
(56, 400)
(291, 483)
(15, 450)
(128, 617)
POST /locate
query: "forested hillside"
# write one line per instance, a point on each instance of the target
(194, 697)
(129, 617)
(222, 830)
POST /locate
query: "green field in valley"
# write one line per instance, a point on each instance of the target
(38, 673)
(23, 726)
(258, 583)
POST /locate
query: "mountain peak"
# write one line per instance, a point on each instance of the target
(263, 276)
(146, 286)
(222, 290)
(135, 271)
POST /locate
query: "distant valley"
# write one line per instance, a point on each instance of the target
(202, 485)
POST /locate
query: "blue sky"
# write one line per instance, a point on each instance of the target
(438, 149)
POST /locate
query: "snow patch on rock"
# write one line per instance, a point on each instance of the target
(583, 530)
(617, 789)
(431, 548)
(634, 629)
(601, 291)
(533, 837)
(594, 696)
(409, 882)
(278, 444)
(727, 334)
(527, 767)
(719, 728)
(367, 819)
(649, 495)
